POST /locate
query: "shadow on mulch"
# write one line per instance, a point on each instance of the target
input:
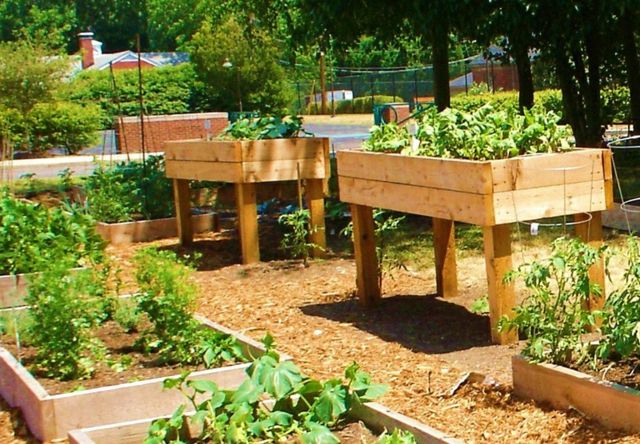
(421, 323)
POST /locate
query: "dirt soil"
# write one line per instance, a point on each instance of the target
(623, 372)
(435, 354)
(119, 348)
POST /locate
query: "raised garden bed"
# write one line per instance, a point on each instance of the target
(246, 163)
(148, 230)
(14, 287)
(375, 416)
(52, 416)
(493, 194)
(611, 404)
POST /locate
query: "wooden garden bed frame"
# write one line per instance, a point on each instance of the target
(51, 417)
(14, 287)
(149, 230)
(377, 417)
(245, 164)
(611, 404)
(492, 194)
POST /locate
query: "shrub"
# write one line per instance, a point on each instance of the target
(130, 190)
(62, 125)
(32, 237)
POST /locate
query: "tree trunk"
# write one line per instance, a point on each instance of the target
(525, 78)
(440, 42)
(593, 115)
(630, 51)
(569, 98)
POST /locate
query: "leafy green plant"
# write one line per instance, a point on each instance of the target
(621, 314)
(32, 237)
(64, 309)
(388, 138)
(275, 402)
(554, 316)
(66, 179)
(296, 239)
(480, 305)
(267, 127)
(167, 299)
(481, 135)
(129, 191)
(127, 315)
(397, 437)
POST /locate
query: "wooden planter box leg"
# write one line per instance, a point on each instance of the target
(591, 233)
(497, 253)
(183, 211)
(364, 246)
(444, 241)
(315, 202)
(248, 222)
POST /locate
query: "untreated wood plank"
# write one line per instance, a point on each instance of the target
(447, 174)
(544, 170)
(497, 254)
(443, 204)
(282, 149)
(444, 241)
(215, 171)
(247, 222)
(204, 150)
(590, 231)
(537, 203)
(364, 246)
(279, 170)
(315, 202)
(182, 200)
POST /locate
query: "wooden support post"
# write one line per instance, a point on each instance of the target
(497, 254)
(183, 210)
(591, 233)
(444, 241)
(364, 246)
(315, 202)
(247, 222)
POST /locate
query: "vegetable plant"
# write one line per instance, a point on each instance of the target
(167, 299)
(480, 135)
(268, 127)
(296, 239)
(32, 237)
(276, 402)
(554, 315)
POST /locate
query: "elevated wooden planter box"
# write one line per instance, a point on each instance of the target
(611, 404)
(149, 230)
(377, 417)
(53, 416)
(14, 287)
(492, 194)
(245, 164)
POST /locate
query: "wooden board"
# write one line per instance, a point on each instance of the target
(280, 170)
(198, 170)
(203, 151)
(612, 405)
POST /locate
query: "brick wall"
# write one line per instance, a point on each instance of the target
(159, 129)
(504, 77)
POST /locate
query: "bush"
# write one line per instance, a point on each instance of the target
(359, 105)
(130, 190)
(166, 90)
(61, 125)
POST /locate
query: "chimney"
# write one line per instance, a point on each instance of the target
(86, 48)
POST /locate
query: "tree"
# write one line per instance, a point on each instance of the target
(255, 76)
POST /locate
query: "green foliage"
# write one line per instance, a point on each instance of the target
(267, 127)
(256, 77)
(167, 299)
(387, 138)
(359, 105)
(480, 305)
(166, 90)
(130, 191)
(64, 309)
(127, 315)
(303, 408)
(296, 239)
(621, 314)
(397, 437)
(481, 135)
(32, 237)
(62, 125)
(553, 315)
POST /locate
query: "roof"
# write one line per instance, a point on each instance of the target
(156, 59)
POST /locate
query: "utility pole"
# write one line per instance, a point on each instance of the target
(323, 85)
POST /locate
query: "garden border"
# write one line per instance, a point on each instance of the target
(53, 416)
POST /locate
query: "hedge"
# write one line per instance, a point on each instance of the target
(359, 105)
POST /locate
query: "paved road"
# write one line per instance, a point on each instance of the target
(342, 136)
